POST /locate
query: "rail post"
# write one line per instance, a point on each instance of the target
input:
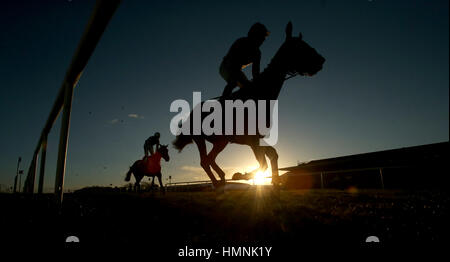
(42, 165)
(33, 177)
(321, 180)
(381, 177)
(28, 185)
(15, 184)
(63, 138)
(17, 175)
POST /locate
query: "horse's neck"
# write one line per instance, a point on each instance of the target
(272, 78)
(269, 83)
(157, 156)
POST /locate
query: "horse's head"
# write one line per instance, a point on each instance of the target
(298, 57)
(164, 152)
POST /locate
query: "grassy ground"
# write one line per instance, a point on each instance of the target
(253, 217)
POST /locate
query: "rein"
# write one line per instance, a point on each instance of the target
(291, 75)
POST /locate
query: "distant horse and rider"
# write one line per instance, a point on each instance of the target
(294, 57)
(149, 166)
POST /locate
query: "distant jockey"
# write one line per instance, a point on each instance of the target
(150, 142)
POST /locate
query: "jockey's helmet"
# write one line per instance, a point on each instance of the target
(258, 30)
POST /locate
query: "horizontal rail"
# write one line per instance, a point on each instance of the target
(103, 11)
(191, 183)
(305, 173)
(206, 182)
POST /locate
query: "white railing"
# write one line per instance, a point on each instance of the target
(102, 14)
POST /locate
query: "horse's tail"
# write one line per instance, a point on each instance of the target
(181, 141)
(128, 176)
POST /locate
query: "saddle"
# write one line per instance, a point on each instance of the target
(152, 164)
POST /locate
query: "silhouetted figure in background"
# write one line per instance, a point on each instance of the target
(150, 167)
(243, 52)
(150, 142)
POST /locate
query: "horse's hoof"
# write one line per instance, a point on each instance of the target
(237, 176)
(276, 181)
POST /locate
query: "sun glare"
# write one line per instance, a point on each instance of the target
(262, 177)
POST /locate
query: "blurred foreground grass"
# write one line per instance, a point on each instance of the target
(253, 216)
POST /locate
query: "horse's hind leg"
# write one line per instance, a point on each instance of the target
(137, 185)
(204, 161)
(218, 147)
(153, 183)
(260, 157)
(273, 156)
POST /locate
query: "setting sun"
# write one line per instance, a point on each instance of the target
(262, 178)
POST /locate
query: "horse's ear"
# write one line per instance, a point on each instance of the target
(300, 35)
(289, 30)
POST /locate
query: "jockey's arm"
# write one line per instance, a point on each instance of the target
(146, 148)
(255, 67)
(151, 150)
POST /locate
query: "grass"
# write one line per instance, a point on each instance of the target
(253, 216)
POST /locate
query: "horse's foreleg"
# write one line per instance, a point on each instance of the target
(204, 161)
(163, 190)
(273, 157)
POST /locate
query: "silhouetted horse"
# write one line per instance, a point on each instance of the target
(294, 57)
(142, 168)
